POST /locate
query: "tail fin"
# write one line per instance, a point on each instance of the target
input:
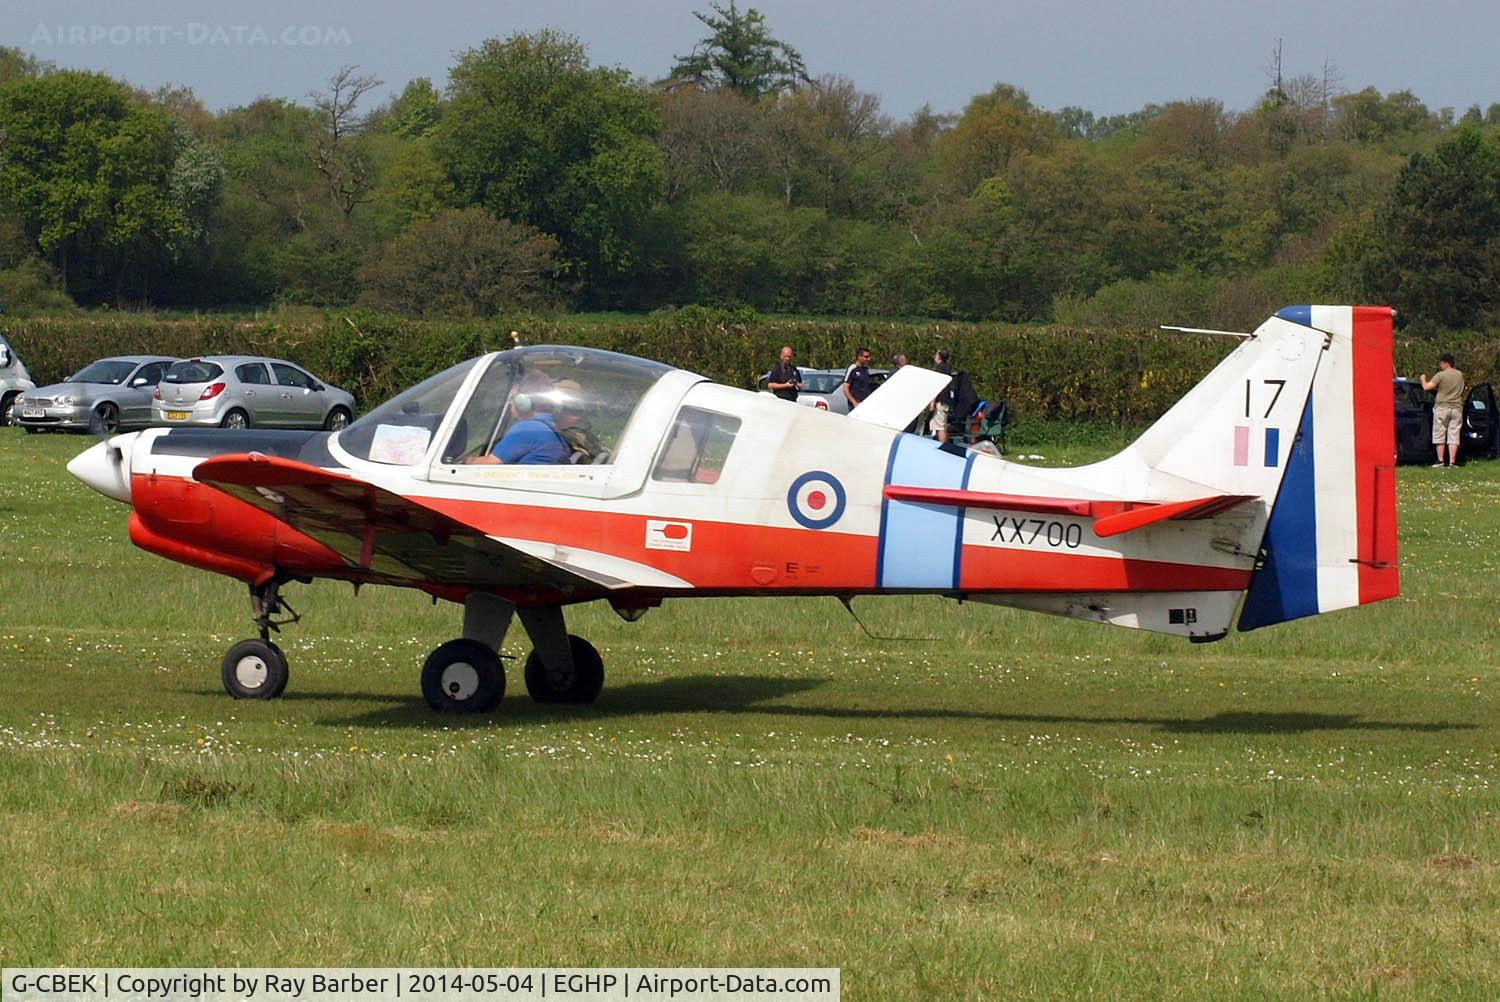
(1273, 478)
(1331, 539)
(1300, 415)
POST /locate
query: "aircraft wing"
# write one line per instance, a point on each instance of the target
(904, 395)
(1111, 518)
(388, 534)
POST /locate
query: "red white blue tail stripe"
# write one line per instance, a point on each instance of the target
(1331, 539)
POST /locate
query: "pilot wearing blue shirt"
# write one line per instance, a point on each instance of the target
(534, 440)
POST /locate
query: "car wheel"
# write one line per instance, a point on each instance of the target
(235, 419)
(106, 419)
(8, 410)
(338, 419)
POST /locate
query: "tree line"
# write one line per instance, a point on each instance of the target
(534, 179)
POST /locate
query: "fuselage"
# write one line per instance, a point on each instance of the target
(794, 501)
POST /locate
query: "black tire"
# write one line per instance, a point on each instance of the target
(463, 676)
(582, 685)
(105, 420)
(254, 669)
(338, 420)
(236, 418)
(8, 410)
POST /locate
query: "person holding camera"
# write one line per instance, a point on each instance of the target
(786, 378)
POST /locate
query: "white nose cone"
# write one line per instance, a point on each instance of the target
(106, 466)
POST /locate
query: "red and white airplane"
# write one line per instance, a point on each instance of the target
(1268, 489)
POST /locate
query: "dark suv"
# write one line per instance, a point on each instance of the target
(1478, 439)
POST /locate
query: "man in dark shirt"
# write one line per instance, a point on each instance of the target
(857, 379)
(786, 378)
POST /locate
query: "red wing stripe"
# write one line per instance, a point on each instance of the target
(255, 469)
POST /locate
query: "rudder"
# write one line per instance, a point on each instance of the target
(1330, 542)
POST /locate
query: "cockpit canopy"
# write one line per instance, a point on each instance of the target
(572, 404)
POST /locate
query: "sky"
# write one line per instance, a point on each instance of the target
(1108, 58)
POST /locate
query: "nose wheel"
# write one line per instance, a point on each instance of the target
(254, 669)
(257, 669)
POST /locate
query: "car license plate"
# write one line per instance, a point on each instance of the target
(33, 412)
(177, 415)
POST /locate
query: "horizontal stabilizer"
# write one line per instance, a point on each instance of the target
(1111, 518)
(903, 397)
(1138, 516)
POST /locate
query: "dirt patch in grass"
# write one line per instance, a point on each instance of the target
(1452, 861)
(147, 810)
(358, 837)
(879, 836)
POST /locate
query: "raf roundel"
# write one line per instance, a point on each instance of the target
(816, 500)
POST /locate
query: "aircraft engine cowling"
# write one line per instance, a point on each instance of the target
(195, 524)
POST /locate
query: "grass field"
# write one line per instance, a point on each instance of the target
(999, 805)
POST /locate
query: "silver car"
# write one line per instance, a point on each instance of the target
(242, 391)
(103, 397)
(14, 381)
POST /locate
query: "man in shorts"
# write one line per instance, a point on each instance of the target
(1447, 409)
(937, 425)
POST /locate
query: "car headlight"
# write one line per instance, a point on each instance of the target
(65, 401)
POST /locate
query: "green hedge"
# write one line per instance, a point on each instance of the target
(1119, 376)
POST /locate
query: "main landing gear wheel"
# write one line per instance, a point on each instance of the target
(463, 676)
(255, 669)
(581, 685)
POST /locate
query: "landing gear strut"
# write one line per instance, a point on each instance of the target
(257, 669)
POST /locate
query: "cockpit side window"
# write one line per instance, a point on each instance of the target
(697, 447)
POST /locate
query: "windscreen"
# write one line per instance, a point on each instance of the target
(821, 382)
(400, 430)
(111, 372)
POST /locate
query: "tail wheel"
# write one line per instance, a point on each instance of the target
(255, 669)
(580, 685)
(463, 676)
(106, 419)
(338, 420)
(235, 419)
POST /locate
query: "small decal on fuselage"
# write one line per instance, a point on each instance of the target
(664, 535)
